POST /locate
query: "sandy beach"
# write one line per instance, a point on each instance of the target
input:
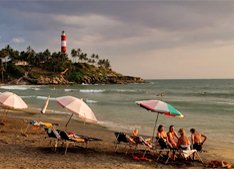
(34, 151)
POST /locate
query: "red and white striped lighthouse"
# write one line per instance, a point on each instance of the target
(63, 42)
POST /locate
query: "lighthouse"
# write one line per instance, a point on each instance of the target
(63, 42)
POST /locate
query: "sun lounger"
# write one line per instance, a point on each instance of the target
(37, 125)
(72, 138)
(163, 148)
(184, 153)
(126, 140)
(53, 135)
(43, 124)
(131, 142)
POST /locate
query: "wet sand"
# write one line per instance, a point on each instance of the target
(34, 151)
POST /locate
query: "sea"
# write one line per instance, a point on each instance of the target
(207, 105)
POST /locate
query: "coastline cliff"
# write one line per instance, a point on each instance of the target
(46, 68)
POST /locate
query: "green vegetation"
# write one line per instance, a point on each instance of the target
(31, 66)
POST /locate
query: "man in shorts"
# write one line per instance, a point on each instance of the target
(197, 139)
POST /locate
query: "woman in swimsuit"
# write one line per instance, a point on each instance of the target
(162, 137)
(183, 141)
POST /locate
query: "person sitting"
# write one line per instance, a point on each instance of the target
(162, 138)
(197, 139)
(171, 134)
(135, 132)
(183, 140)
(139, 139)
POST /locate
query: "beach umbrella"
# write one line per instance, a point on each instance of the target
(9, 100)
(76, 106)
(13, 101)
(159, 107)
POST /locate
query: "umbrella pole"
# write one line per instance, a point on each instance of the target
(155, 124)
(68, 121)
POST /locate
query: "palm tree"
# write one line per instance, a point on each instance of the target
(78, 53)
(81, 57)
(30, 55)
(93, 56)
(74, 54)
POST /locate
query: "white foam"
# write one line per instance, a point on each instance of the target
(14, 87)
(68, 90)
(84, 84)
(27, 97)
(45, 97)
(127, 91)
(92, 90)
(90, 101)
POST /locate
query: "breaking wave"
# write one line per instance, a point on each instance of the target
(92, 90)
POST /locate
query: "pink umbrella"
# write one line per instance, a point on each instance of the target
(77, 106)
(11, 100)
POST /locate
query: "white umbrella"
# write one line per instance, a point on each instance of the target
(11, 100)
(77, 106)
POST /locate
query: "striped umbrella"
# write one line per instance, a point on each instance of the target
(159, 107)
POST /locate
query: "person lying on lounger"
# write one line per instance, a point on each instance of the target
(197, 139)
(139, 139)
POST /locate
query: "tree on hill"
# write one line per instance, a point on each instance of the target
(51, 64)
(104, 63)
(74, 54)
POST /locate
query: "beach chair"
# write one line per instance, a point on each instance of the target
(126, 140)
(38, 125)
(133, 143)
(72, 138)
(53, 135)
(163, 148)
(185, 153)
(190, 154)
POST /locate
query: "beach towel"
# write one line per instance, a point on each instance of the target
(188, 153)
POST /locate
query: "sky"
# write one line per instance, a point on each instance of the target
(164, 39)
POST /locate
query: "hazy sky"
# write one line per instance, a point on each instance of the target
(151, 39)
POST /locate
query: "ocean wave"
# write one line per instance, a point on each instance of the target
(45, 97)
(92, 90)
(68, 90)
(14, 87)
(90, 101)
(127, 91)
(25, 97)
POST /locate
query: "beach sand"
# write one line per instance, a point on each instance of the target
(34, 151)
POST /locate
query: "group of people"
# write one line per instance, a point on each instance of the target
(172, 140)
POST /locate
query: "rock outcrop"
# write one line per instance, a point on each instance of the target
(58, 80)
